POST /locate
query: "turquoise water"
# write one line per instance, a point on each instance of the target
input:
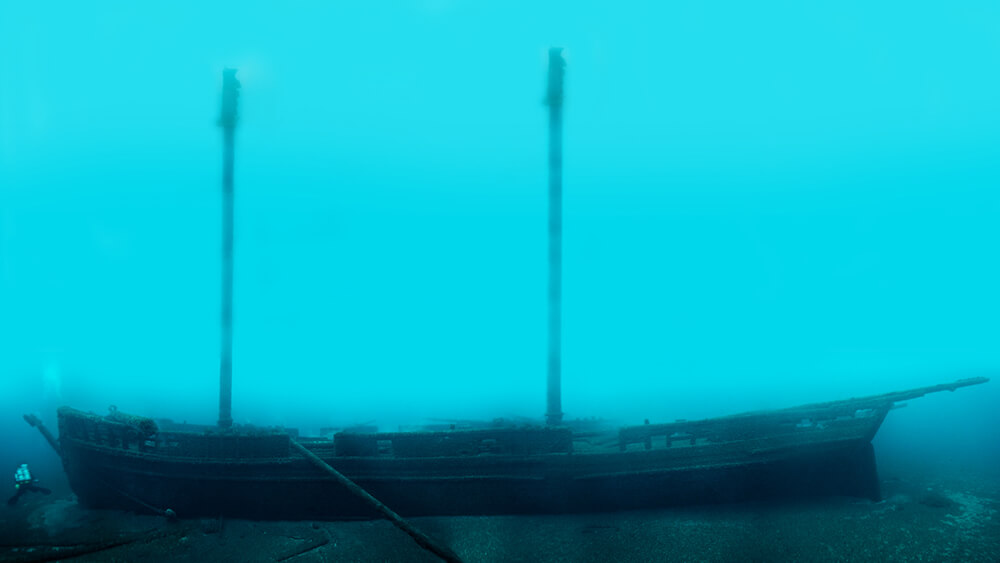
(765, 204)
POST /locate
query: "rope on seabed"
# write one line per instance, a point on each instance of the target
(158, 511)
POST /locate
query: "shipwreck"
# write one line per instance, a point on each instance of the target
(548, 466)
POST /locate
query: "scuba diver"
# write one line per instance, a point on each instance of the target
(24, 482)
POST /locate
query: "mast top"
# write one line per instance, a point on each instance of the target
(557, 68)
(230, 93)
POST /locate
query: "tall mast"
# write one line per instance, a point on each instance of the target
(230, 93)
(557, 65)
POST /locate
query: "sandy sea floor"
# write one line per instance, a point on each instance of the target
(930, 517)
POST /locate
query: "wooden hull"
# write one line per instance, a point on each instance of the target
(293, 489)
(259, 477)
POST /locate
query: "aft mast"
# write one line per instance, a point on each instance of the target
(230, 93)
(557, 65)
